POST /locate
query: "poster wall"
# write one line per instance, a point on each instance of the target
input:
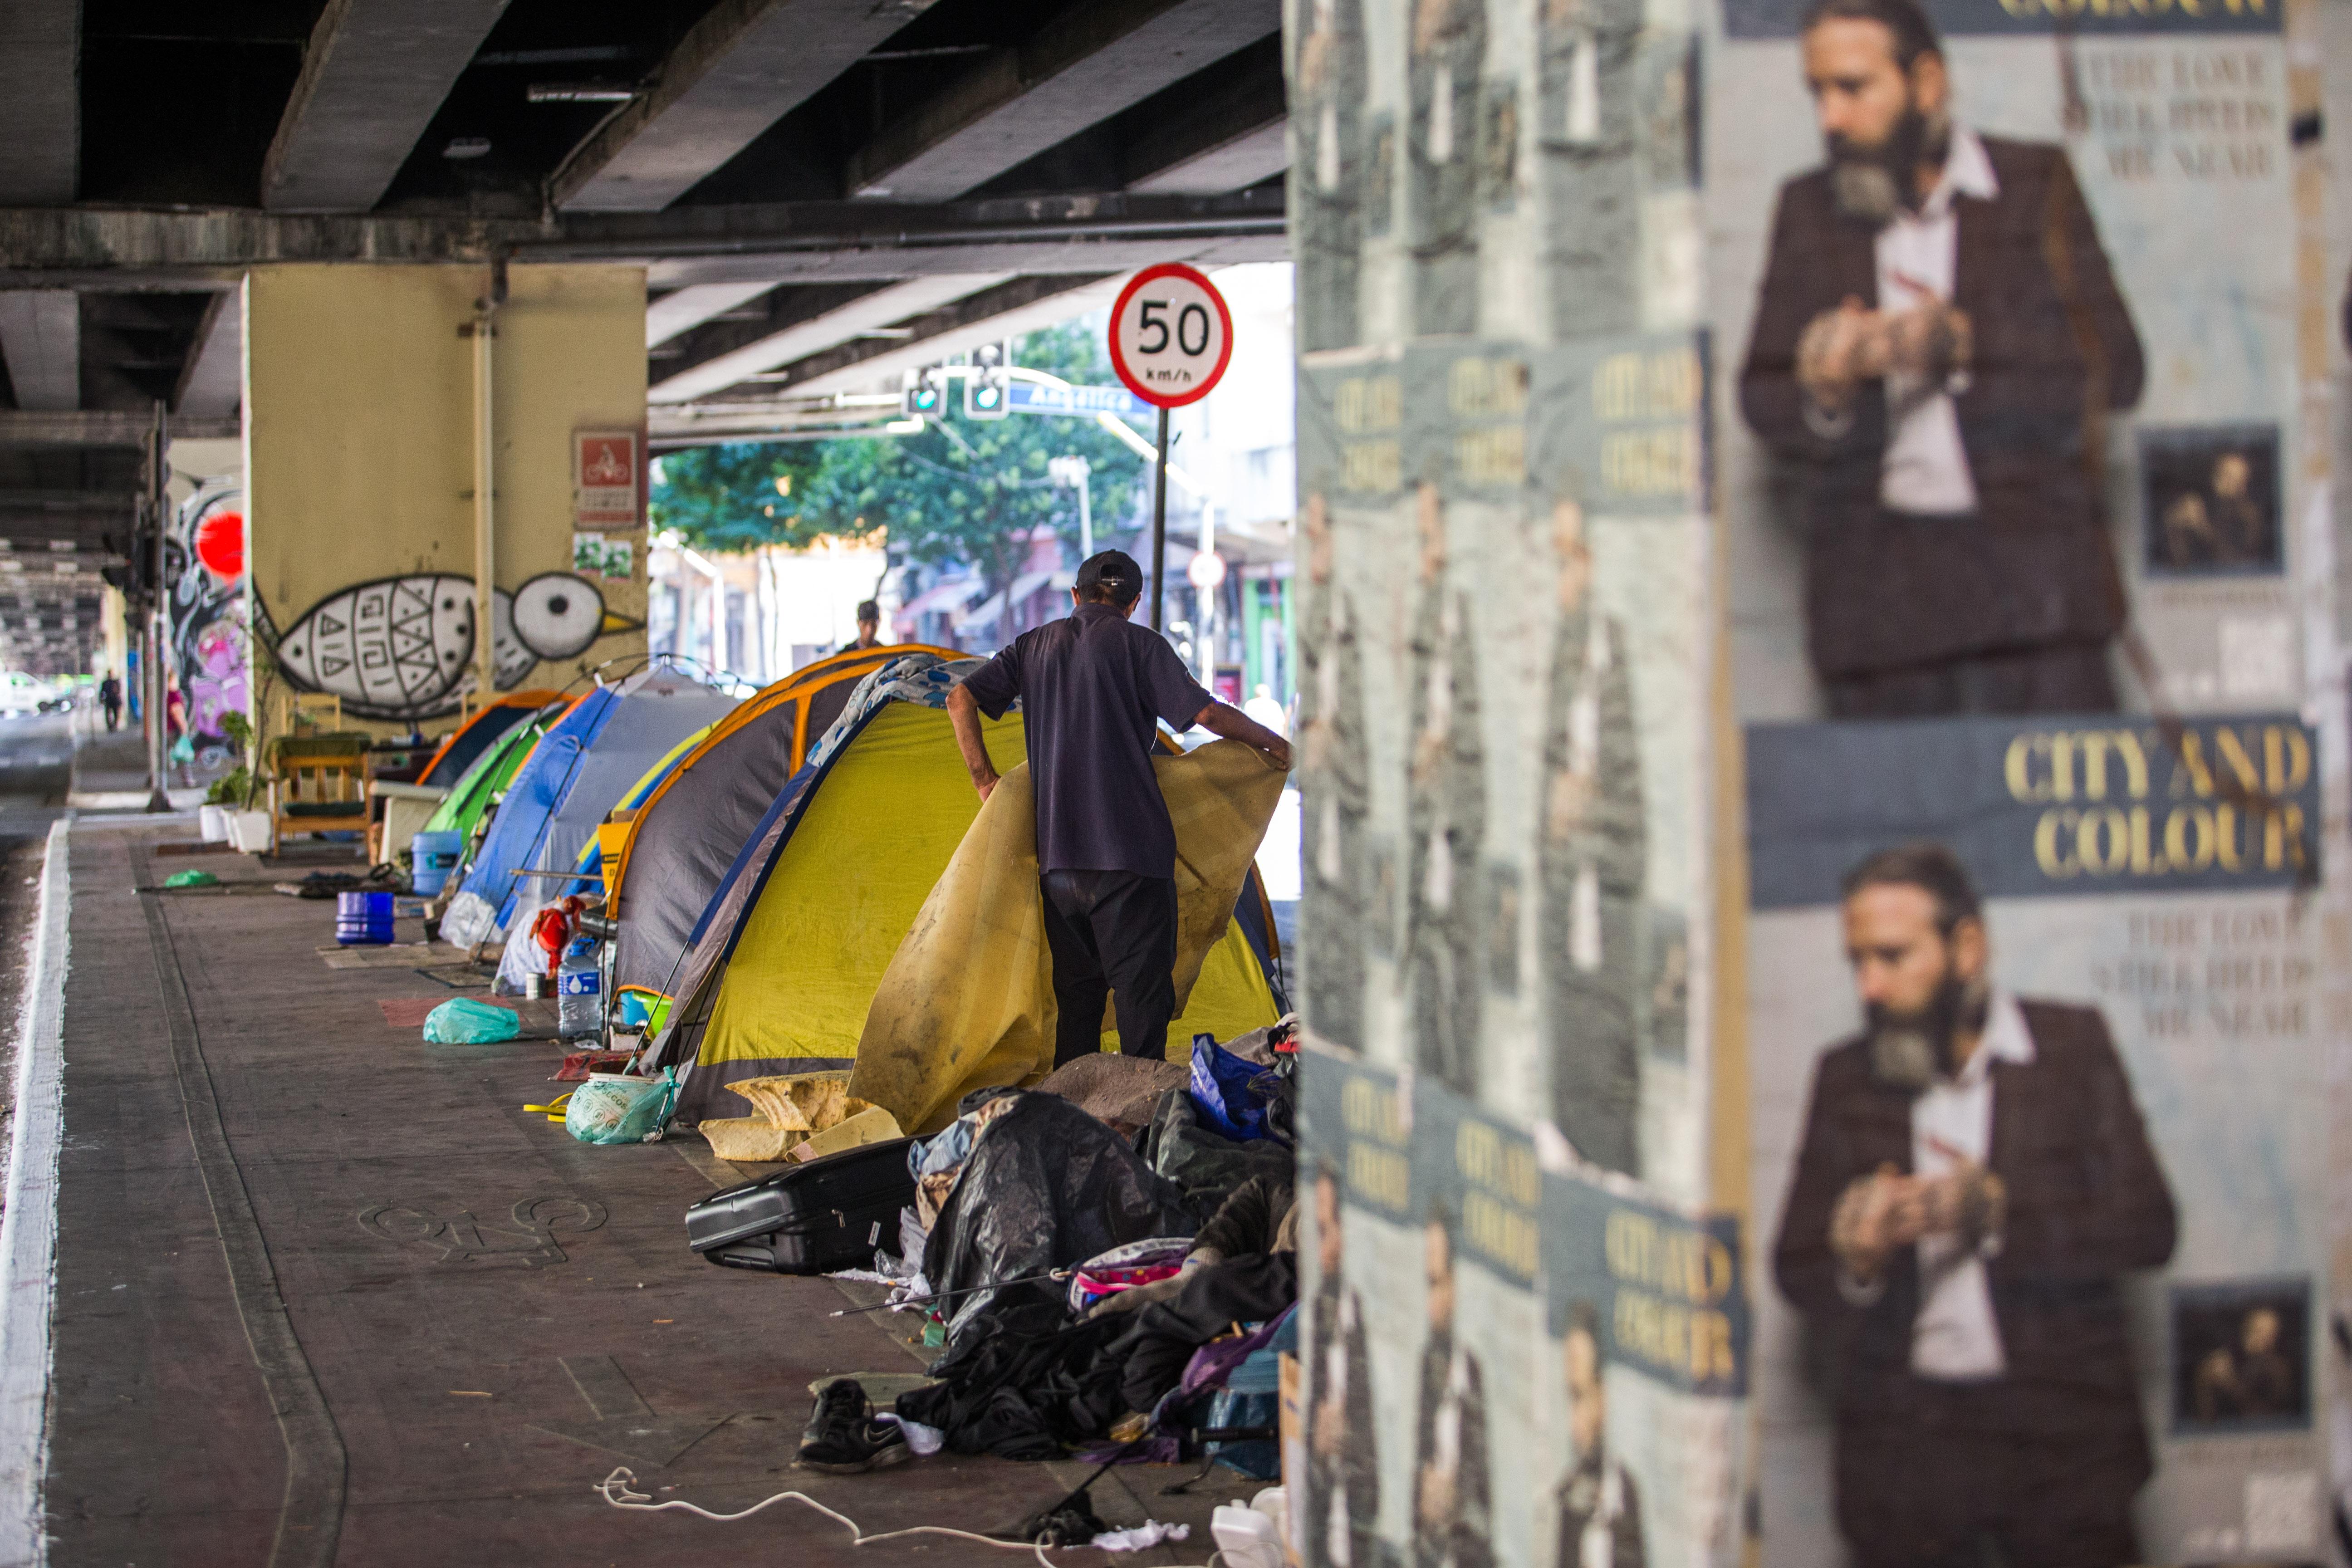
(2025, 630)
(1507, 708)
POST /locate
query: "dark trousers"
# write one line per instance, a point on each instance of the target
(2066, 678)
(1960, 1478)
(1113, 936)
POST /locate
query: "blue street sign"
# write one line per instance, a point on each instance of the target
(1028, 397)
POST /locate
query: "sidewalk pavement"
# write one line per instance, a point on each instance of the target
(326, 1294)
(110, 770)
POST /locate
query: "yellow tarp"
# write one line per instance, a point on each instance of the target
(967, 1000)
(847, 884)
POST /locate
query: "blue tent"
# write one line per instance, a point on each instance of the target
(576, 774)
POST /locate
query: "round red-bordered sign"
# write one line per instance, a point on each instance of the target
(1152, 335)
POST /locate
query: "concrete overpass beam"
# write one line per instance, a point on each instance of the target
(373, 78)
(683, 310)
(738, 70)
(1016, 103)
(40, 336)
(882, 307)
(1234, 136)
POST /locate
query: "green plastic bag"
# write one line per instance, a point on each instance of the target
(465, 1022)
(192, 880)
(617, 1108)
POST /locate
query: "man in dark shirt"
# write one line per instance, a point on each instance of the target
(1093, 687)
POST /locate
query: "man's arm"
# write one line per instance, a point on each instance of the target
(1224, 718)
(1789, 302)
(1805, 1261)
(963, 712)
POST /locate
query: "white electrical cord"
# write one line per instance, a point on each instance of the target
(615, 1490)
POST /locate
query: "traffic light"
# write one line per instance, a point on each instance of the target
(987, 391)
(921, 395)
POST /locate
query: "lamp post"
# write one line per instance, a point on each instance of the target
(1076, 472)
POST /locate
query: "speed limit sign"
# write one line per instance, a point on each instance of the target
(1170, 335)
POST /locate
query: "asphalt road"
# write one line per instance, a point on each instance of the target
(36, 761)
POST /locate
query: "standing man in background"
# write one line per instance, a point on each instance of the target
(869, 628)
(1093, 687)
(110, 697)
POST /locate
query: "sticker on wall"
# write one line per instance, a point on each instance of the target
(601, 555)
(402, 647)
(605, 474)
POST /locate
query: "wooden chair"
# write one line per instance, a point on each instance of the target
(316, 792)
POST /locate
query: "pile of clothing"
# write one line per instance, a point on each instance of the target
(1115, 1255)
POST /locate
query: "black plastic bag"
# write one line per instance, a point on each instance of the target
(1045, 1187)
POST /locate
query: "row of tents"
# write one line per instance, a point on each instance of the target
(770, 857)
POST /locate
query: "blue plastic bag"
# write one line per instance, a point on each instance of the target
(1223, 1087)
(620, 1107)
(465, 1022)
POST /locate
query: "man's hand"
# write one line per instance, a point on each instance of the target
(1930, 338)
(1224, 718)
(1838, 350)
(1968, 1202)
(1876, 1214)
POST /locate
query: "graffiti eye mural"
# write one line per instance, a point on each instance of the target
(557, 614)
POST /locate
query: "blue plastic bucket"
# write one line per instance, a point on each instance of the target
(363, 919)
(435, 855)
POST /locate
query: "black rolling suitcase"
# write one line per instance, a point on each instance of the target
(828, 1214)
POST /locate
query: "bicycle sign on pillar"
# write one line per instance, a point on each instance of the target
(1171, 339)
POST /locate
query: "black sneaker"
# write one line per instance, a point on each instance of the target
(843, 1437)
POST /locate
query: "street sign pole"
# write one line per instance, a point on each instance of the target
(1171, 336)
(1160, 521)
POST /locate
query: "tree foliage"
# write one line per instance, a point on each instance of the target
(971, 492)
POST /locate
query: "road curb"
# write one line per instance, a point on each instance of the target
(28, 1228)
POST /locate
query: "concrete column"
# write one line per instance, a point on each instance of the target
(1634, 618)
(359, 405)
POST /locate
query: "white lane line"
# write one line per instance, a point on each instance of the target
(28, 1228)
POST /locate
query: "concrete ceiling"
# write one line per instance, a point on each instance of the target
(822, 191)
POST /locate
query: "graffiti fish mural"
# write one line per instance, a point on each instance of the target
(208, 629)
(402, 647)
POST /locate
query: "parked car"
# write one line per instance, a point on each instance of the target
(22, 694)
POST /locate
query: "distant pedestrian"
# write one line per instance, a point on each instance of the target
(110, 697)
(869, 628)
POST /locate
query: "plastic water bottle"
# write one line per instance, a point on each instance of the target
(579, 995)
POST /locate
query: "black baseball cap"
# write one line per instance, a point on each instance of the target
(1114, 570)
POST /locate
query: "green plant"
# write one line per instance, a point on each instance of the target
(238, 784)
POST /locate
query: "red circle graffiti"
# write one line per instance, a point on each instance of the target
(220, 545)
